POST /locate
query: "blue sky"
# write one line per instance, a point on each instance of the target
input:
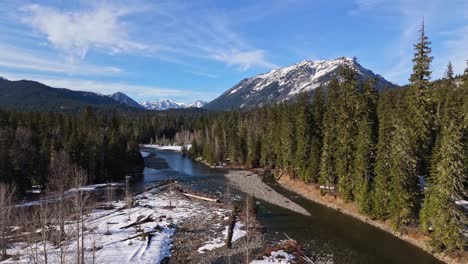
(190, 50)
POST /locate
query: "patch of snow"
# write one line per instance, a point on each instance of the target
(105, 229)
(220, 241)
(279, 256)
(167, 147)
(144, 154)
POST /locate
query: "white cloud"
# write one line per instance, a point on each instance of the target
(178, 31)
(245, 59)
(18, 58)
(75, 32)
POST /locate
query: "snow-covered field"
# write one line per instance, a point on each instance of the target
(106, 231)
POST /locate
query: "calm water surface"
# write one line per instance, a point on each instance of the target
(328, 235)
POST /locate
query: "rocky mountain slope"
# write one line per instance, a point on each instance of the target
(285, 83)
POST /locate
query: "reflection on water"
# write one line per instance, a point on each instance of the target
(328, 235)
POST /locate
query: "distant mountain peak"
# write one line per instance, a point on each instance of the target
(197, 104)
(125, 99)
(285, 83)
(164, 104)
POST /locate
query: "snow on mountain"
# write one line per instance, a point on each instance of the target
(197, 104)
(165, 104)
(285, 83)
(123, 98)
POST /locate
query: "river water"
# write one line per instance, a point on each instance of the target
(328, 235)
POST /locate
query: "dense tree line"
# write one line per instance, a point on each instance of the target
(400, 154)
(105, 146)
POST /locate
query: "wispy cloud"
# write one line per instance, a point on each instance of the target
(23, 59)
(75, 32)
(171, 32)
(245, 59)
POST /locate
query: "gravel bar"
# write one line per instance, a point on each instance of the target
(252, 183)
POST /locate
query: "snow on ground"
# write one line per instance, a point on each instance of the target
(144, 154)
(279, 256)
(219, 241)
(68, 193)
(105, 229)
(167, 147)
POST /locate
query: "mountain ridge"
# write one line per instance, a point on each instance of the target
(285, 83)
(28, 95)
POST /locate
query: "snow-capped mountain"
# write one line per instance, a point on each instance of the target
(197, 104)
(165, 104)
(285, 83)
(123, 98)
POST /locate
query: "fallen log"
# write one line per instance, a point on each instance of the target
(167, 182)
(201, 197)
(147, 219)
(232, 223)
(139, 235)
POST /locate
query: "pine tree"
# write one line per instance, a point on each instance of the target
(381, 190)
(364, 162)
(448, 75)
(287, 138)
(347, 131)
(328, 175)
(403, 203)
(316, 142)
(449, 173)
(303, 134)
(420, 110)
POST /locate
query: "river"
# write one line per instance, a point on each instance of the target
(327, 234)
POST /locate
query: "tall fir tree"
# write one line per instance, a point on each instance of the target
(328, 174)
(440, 213)
(287, 138)
(364, 161)
(381, 190)
(403, 202)
(347, 131)
(316, 141)
(303, 133)
(420, 107)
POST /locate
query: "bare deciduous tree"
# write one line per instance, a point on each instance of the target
(7, 193)
(60, 175)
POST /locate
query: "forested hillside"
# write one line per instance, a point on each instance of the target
(28, 95)
(401, 155)
(104, 145)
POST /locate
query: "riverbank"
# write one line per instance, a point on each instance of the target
(413, 236)
(251, 183)
(144, 233)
